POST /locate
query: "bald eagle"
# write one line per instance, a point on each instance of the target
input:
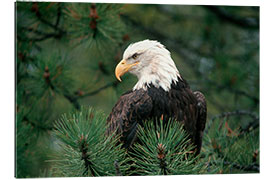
(161, 92)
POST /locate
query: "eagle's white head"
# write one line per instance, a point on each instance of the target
(151, 62)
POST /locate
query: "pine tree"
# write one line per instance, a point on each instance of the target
(164, 149)
(84, 150)
(231, 150)
(48, 84)
(65, 54)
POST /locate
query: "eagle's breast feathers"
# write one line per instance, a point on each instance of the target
(180, 103)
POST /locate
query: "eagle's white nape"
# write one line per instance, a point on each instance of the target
(156, 66)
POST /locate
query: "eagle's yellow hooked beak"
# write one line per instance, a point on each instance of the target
(122, 67)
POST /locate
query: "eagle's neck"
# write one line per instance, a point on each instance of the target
(161, 72)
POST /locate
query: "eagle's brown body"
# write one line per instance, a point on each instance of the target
(179, 103)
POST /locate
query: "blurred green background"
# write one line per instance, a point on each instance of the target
(66, 54)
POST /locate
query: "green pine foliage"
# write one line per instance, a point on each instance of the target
(230, 150)
(55, 70)
(104, 30)
(161, 149)
(32, 140)
(23, 139)
(84, 150)
(164, 150)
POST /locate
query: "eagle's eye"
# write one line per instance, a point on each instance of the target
(134, 56)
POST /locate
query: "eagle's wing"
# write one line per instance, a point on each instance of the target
(201, 120)
(130, 109)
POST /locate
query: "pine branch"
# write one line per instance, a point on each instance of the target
(252, 167)
(233, 19)
(73, 99)
(37, 126)
(117, 168)
(235, 113)
(161, 155)
(227, 150)
(85, 156)
(83, 148)
(188, 53)
(29, 29)
(59, 13)
(164, 149)
(58, 32)
(53, 26)
(236, 91)
(251, 126)
(110, 84)
(44, 37)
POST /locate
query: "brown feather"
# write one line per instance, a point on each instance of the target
(180, 103)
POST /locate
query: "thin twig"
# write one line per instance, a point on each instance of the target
(237, 112)
(240, 22)
(250, 167)
(59, 13)
(55, 27)
(232, 113)
(117, 169)
(237, 91)
(58, 31)
(99, 89)
(251, 126)
(74, 99)
(30, 29)
(38, 39)
(35, 125)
